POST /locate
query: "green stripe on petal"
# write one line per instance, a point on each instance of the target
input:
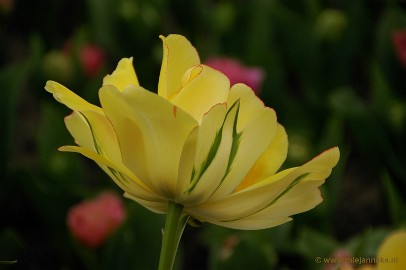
(291, 185)
(79, 128)
(202, 168)
(197, 147)
(210, 172)
(260, 195)
(252, 142)
(301, 198)
(295, 182)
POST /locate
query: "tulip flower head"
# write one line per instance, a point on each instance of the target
(196, 148)
(92, 222)
(391, 253)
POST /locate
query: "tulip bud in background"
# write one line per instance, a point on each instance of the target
(330, 24)
(397, 115)
(299, 148)
(92, 59)
(237, 73)
(56, 64)
(91, 222)
(399, 42)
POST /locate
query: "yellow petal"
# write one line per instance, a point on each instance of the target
(124, 178)
(391, 254)
(70, 99)
(268, 192)
(151, 133)
(270, 160)
(250, 104)
(211, 144)
(239, 205)
(94, 131)
(80, 130)
(123, 76)
(156, 206)
(256, 127)
(324, 162)
(254, 223)
(252, 142)
(203, 88)
(301, 198)
(178, 56)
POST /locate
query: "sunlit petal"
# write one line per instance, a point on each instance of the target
(94, 131)
(250, 104)
(270, 160)
(253, 222)
(212, 149)
(267, 192)
(123, 76)
(151, 133)
(158, 206)
(252, 142)
(202, 88)
(70, 99)
(178, 56)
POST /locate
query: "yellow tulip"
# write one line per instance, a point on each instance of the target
(392, 252)
(213, 150)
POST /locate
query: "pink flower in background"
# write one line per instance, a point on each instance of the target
(6, 6)
(237, 73)
(92, 59)
(340, 259)
(399, 41)
(92, 221)
(229, 246)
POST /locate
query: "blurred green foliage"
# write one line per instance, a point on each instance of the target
(332, 75)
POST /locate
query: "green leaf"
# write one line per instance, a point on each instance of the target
(312, 243)
(11, 244)
(394, 200)
(367, 243)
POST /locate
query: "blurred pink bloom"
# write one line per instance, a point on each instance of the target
(399, 41)
(228, 247)
(339, 260)
(92, 221)
(92, 59)
(6, 6)
(237, 73)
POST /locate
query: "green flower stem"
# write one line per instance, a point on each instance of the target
(174, 225)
